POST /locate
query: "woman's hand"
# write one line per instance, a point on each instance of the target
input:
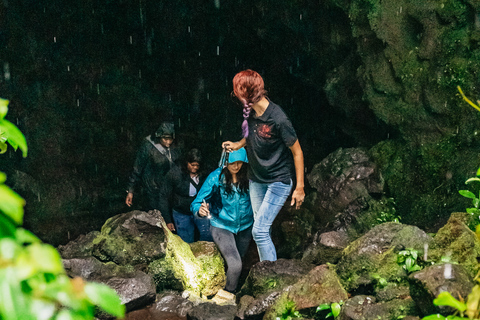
(232, 146)
(204, 210)
(297, 197)
(129, 199)
(171, 226)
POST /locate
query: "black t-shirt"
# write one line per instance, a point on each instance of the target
(268, 142)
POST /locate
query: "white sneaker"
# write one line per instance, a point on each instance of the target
(224, 297)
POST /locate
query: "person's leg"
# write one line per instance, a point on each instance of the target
(225, 241)
(257, 193)
(273, 201)
(243, 239)
(203, 225)
(184, 225)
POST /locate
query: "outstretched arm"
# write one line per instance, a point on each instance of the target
(299, 193)
(232, 146)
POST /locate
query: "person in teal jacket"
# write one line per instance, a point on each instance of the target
(231, 216)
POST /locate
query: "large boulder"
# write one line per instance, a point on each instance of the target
(374, 255)
(363, 307)
(135, 288)
(327, 247)
(132, 238)
(273, 276)
(455, 241)
(319, 286)
(428, 283)
(348, 194)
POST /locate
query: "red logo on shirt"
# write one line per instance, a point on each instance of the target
(264, 131)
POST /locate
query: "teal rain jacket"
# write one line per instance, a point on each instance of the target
(236, 214)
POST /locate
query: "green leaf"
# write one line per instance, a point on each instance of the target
(43, 309)
(471, 180)
(446, 299)
(67, 314)
(478, 172)
(26, 237)
(336, 308)
(3, 108)
(476, 202)
(106, 298)
(45, 258)
(8, 249)
(324, 306)
(467, 194)
(14, 304)
(434, 317)
(330, 314)
(11, 204)
(7, 228)
(409, 263)
(3, 147)
(14, 136)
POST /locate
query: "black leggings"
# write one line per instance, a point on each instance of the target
(232, 247)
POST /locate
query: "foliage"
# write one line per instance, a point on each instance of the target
(389, 214)
(289, 312)
(475, 210)
(408, 259)
(334, 308)
(33, 282)
(464, 310)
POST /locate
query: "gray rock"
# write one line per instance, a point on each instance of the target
(212, 311)
(326, 247)
(428, 283)
(270, 276)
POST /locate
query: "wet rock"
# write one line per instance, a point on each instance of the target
(135, 291)
(363, 307)
(90, 268)
(458, 243)
(250, 308)
(326, 247)
(132, 238)
(212, 311)
(270, 276)
(428, 283)
(374, 255)
(171, 301)
(345, 182)
(321, 285)
(79, 248)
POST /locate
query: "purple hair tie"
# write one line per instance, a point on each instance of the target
(246, 113)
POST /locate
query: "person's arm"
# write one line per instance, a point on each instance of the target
(140, 162)
(299, 193)
(232, 146)
(203, 193)
(166, 191)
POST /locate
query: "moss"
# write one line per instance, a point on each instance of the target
(282, 309)
(197, 274)
(164, 275)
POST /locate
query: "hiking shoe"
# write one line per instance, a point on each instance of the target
(224, 297)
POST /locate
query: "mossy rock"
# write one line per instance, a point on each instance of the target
(458, 243)
(374, 255)
(132, 238)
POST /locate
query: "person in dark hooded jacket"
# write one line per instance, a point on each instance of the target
(181, 186)
(154, 159)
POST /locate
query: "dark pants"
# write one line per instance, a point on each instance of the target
(232, 247)
(185, 225)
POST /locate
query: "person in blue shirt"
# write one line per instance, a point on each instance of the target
(231, 220)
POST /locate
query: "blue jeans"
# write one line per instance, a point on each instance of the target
(185, 225)
(267, 200)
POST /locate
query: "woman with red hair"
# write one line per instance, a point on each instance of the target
(274, 154)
